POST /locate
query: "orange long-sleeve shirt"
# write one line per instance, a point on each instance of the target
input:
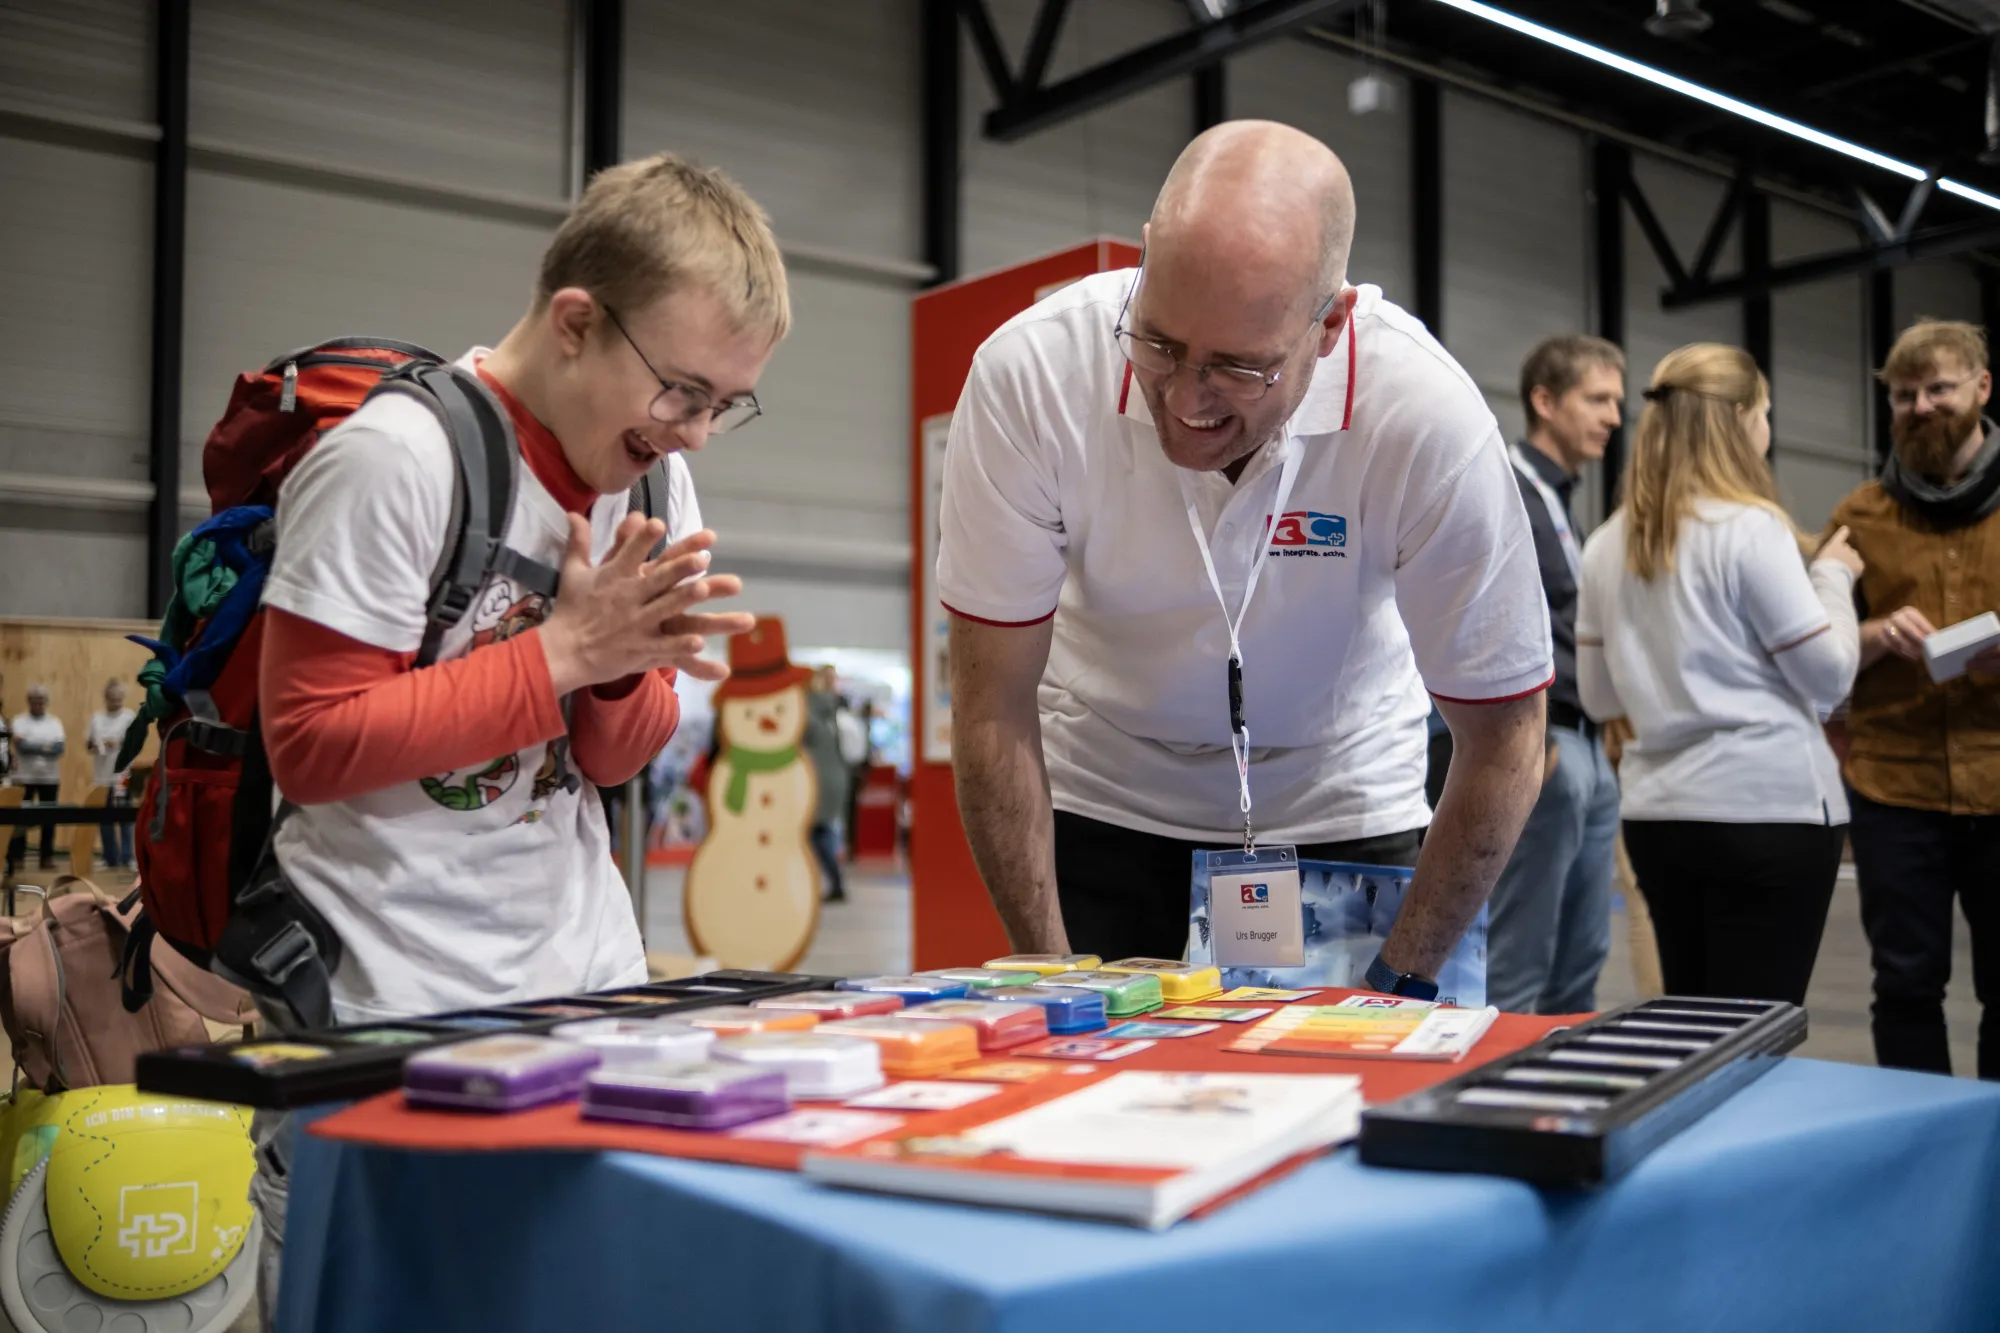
(342, 718)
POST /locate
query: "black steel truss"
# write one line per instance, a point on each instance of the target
(1746, 209)
(1028, 104)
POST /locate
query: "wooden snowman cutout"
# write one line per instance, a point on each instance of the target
(753, 888)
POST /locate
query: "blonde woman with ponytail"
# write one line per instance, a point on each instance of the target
(1703, 621)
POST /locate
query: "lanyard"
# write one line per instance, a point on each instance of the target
(1558, 515)
(1239, 730)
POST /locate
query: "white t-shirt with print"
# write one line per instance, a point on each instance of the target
(493, 883)
(32, 731)
(1403, 561)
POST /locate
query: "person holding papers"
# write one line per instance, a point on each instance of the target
(1210, 531)
(1923, 767)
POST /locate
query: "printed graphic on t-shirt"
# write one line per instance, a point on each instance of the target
(503, 611)
(474, 789)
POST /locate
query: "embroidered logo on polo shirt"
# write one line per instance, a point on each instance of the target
(1308, 532)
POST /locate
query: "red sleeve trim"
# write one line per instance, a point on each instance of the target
(1503, 699)
(997, 624)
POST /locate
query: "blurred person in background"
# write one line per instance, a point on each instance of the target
(1550, 924)
(1923, 761)
(1702, 623)
(107, 734)
(38, 749)
(822, 744)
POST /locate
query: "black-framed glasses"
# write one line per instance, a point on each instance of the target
(1242, 384)
(678, 403)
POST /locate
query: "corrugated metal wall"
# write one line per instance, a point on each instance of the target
(395, 168)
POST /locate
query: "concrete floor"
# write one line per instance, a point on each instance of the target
(871, 933)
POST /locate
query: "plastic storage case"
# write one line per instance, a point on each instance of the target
(813, 1063)
(832, 1004)
(1044, 964)
(499, 1073)
(914, 990)
(733, 1020)
(1069, 1009)
(619, 1039)
(998, 1026)
(975, 978)
(913, 1047)
(1180, 983)
(1125, 993)
(683, 1096)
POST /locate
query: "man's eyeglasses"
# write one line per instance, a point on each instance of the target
(1242, 384)
(678, 404)
(1937, 391)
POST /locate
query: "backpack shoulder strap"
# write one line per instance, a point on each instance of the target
(652, 495)
(487, 462)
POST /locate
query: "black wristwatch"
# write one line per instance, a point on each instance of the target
(1381, 977)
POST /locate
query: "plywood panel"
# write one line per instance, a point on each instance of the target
(74, 658)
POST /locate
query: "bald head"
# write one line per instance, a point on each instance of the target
(1272, 201)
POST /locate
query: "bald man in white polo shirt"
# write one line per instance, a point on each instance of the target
(1234, 385)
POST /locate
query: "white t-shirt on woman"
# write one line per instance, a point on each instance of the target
(1725, 666)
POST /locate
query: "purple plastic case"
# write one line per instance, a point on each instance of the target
(684, 1096)
(499, 1073)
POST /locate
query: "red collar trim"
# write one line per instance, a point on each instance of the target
(543, 451)
(1125, 389)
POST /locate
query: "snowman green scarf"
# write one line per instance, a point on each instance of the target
(742, 763)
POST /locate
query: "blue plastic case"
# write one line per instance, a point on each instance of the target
(1069, 1009)
(914, 990)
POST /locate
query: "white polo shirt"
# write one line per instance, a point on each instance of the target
(1403, 560)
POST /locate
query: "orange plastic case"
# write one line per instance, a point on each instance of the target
(733, 1020)
(912, 1047)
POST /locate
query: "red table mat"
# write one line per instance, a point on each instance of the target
(387, 1121)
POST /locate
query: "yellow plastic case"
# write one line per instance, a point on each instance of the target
(912, 1048)
(1044, 964)
(1180, 982)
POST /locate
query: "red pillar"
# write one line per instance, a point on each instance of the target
(954, 924)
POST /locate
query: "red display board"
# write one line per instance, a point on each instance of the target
(953, 923)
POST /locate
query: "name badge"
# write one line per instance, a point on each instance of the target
(1254, 911)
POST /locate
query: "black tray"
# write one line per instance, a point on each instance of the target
(339, 1064)
(1579, 1134)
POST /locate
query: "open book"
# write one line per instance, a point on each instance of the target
(1140, 1147)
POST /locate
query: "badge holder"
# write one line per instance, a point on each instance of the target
(1256, 917)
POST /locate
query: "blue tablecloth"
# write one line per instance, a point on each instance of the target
(1822, 1197)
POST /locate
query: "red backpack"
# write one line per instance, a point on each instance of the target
(211, 886)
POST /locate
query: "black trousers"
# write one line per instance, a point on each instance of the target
(1124, 894)
(1911, 864)
(38, 793)
(1738, 908)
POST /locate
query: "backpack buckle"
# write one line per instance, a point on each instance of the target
(215, 738)
(278, 957)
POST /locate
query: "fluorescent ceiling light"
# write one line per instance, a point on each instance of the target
(1672, 83)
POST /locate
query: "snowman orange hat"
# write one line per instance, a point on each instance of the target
(759, 663)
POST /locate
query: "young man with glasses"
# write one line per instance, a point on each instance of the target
(446, 820)
(1229, 488)
(1923, 762)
